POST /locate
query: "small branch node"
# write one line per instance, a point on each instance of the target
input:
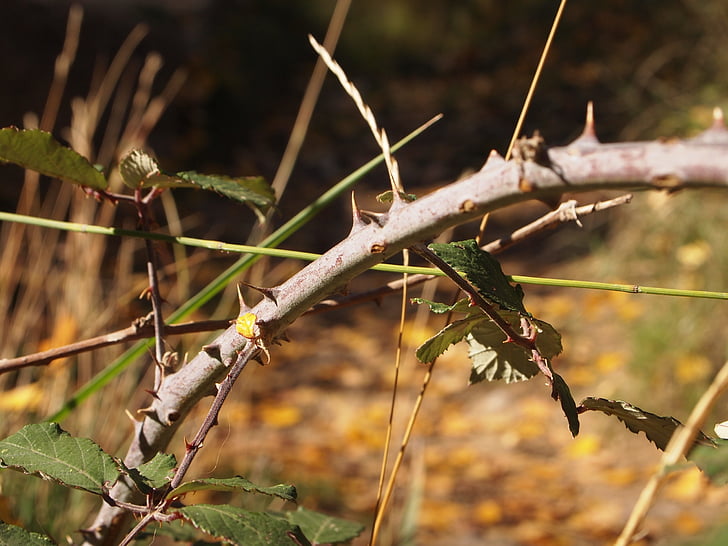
(172, 417)
(378, 248)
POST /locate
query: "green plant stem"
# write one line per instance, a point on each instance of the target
(222, 280)
(310, 256)
(630, 288)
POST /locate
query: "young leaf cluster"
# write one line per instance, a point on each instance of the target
(504, 340)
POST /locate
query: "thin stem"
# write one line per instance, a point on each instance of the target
(223, 390)
(536, 77)
(142, 206)
(146, 520)
(381, 503)
(523, 341)
(134, 332)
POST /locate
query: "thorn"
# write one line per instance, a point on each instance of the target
(589, 124)
(494, 158)
(357, 220)
(718, 120)
(717, 133)
(188, 445)
(148, 412)
(131, 417)
(588, 138)
(218, 386)
(243, 306)
(89, 535)
(153, 393)
(213, 351)
(268, 293)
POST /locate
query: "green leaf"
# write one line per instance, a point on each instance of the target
(39, 151)
(153, 474)
(461, 306)
(449, 335)
(713, 461)
(562, 393)
(493, 359)
(241, 526)
(138, 168)
(252, 190)
(178, 531)
(387, 196)
(483, 272)
(12, 535)
(51, 453)
(658, 429)
(285, 492)
(322, 529)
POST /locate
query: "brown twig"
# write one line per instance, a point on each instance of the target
(566, 212)
(138, 330)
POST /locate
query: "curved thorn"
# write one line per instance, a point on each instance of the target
(588, 138)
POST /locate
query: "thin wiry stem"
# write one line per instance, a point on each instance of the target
(153, 289)
(381, 503)
(536, 76)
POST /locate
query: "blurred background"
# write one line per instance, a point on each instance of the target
(491, 464)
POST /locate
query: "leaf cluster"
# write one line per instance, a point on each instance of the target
(47, 451)
(39, 151)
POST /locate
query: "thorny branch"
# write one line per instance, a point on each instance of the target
(143, 327)
(586, 165)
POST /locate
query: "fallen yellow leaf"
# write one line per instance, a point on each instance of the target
(25, 398)
(488, 512)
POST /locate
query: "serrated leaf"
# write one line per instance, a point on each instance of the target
(658, 429)
(241, 526)
(493, 359)
(285, 492)
(322, 529)
(138, 168)
(153, 474)
(252, 190)
(449, 335)
(177, 530)
(713, 461)
(39, 151)
(482, 271)
(387, 196)
(46, 450)
(562, 393)
(12, 535)
(461, 306)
